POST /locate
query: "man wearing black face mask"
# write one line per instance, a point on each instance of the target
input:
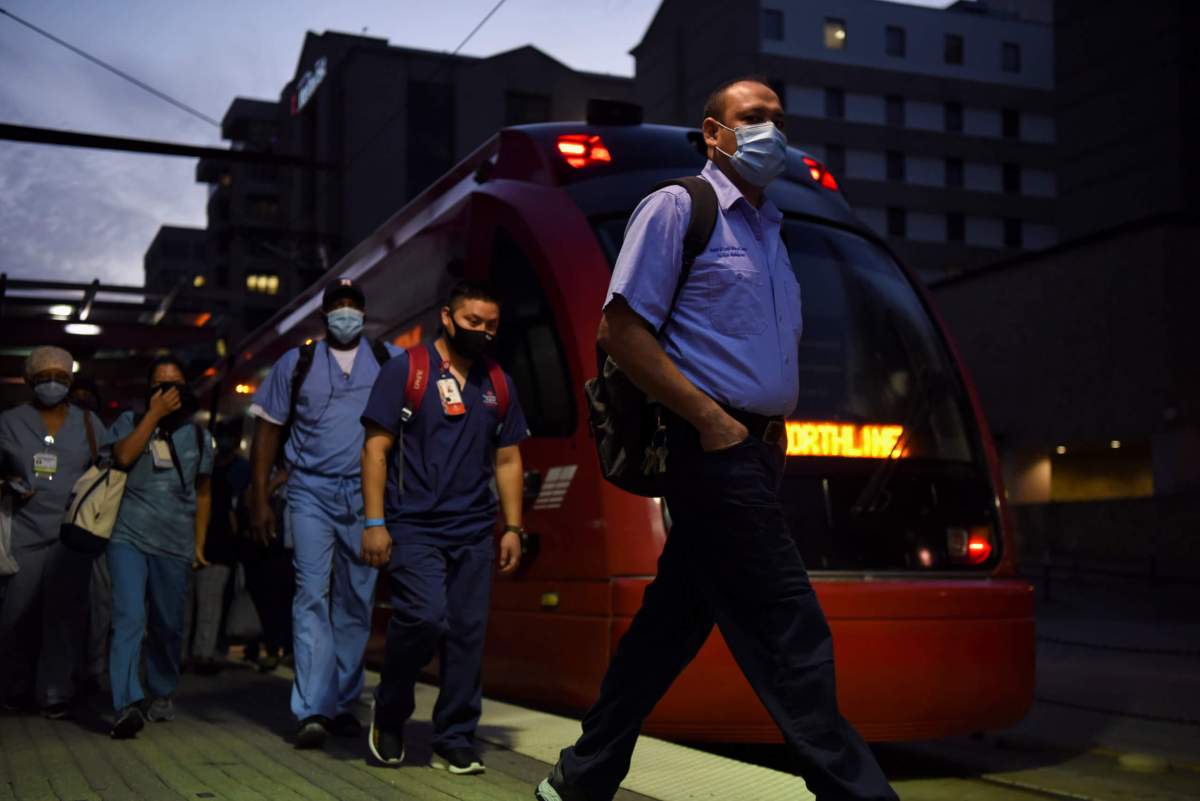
(431, 516)
(157, 540)
(310, 405)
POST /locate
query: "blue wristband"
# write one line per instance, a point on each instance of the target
(371, 522)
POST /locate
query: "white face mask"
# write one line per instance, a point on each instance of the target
(761, 155)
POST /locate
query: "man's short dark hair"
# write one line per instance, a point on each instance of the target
(715, 105)
(159, 362)
(471, 290)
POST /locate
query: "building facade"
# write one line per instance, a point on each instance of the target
(938, 124)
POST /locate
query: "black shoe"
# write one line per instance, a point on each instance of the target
(554, 788)
(386, 746)
(311, 732)
(459, 761)
(61, 711)
(128, 723)
(345, 725)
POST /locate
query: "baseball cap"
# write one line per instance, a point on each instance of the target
(343, 288)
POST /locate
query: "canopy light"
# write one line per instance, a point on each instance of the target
(1116, 443)
(1060, 450)
(244, 389)
(820, 174)
(62, 310)
(82, 329)
(583, 150)
(844, 440)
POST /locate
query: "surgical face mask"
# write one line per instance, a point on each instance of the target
(761, 154)
(469, 344)
(50, 393)
(344, 324)
(188, 405)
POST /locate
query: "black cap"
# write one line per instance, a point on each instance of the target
(343, 288)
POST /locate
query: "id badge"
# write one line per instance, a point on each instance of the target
(161, 452)
(45, 464)
(452, 402)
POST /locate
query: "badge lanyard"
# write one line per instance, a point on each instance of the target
(448, 392)
(45, 462)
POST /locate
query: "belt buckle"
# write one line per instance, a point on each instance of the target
(773, 432)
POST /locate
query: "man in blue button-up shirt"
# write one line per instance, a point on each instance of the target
(722, 361)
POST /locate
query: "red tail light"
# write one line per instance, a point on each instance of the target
(973, 547)
(819, 174)
(583, 150)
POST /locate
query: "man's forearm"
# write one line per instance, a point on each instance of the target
(263, 450)
(510, 481)
(203, 515)
(625, 338)
(374, 477)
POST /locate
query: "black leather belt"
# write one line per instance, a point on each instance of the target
(768, 429)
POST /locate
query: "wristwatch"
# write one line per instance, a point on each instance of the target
(518, 530)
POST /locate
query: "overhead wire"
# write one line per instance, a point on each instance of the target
(446, 60)
(114, 70)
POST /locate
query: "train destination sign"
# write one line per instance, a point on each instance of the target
(844, 440)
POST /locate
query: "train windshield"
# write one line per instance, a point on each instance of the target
(884, 470)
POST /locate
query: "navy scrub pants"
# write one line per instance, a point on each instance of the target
(729, 560)
(440, 597)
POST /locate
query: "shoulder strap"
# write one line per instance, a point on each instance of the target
(417, 381)
(500, 387)
(382, 354)
(701, 223)
(91, 433)
(303, 366)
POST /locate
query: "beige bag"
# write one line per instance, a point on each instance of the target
(93, 505)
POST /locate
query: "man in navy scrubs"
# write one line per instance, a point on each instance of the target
(431, 516)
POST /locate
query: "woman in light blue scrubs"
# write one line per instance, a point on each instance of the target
(45, 447)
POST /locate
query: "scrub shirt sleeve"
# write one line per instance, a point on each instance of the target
(274, 397)
(514, 428)
(121, 427)
(648, 266)
(104, 438)
(387, 396)
(206, 455)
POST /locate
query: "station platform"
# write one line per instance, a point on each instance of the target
(231, 740)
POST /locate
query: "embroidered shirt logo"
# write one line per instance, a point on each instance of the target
(728, 252)
(489, 399)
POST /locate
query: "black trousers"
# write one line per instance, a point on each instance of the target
(271, 582)
(729, 560)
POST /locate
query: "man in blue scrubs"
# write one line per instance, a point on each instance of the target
(721, 357)
(324, 501)
(431, 518)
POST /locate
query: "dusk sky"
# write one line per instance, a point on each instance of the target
(72, 214)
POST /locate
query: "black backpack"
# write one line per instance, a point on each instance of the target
(628, 428)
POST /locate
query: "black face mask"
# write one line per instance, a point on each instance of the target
(472, 345)
(188, 405)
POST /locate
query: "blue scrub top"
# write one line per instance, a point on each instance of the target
(158, 511)
(326, 436)
(22, 435)
(448, 461)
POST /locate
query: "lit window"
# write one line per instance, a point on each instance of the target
(835, 34)
(772, 23)
(199, 282)
(263, 284)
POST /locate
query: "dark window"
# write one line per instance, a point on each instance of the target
(1010, 57)
(528, 346)
(954, 117)
(1012, 232)
(430, 130)
(956, 227)
(200, 249)
(174, 250)
(895, 111)
(895, 165)
(222, 273)
(1010, 123)
(953, 49)
(897, 222)
(772, 22)
(835, 103)
(835, 34)
(1012, 178)
(954, 173)
(897, 44)
(835, 159)
(522, 108)
(264, 208)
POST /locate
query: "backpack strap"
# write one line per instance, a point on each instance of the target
(417, 381)
(303, 365)
(701, 223)
(91, 434)
(500, 387)
(382, 354)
